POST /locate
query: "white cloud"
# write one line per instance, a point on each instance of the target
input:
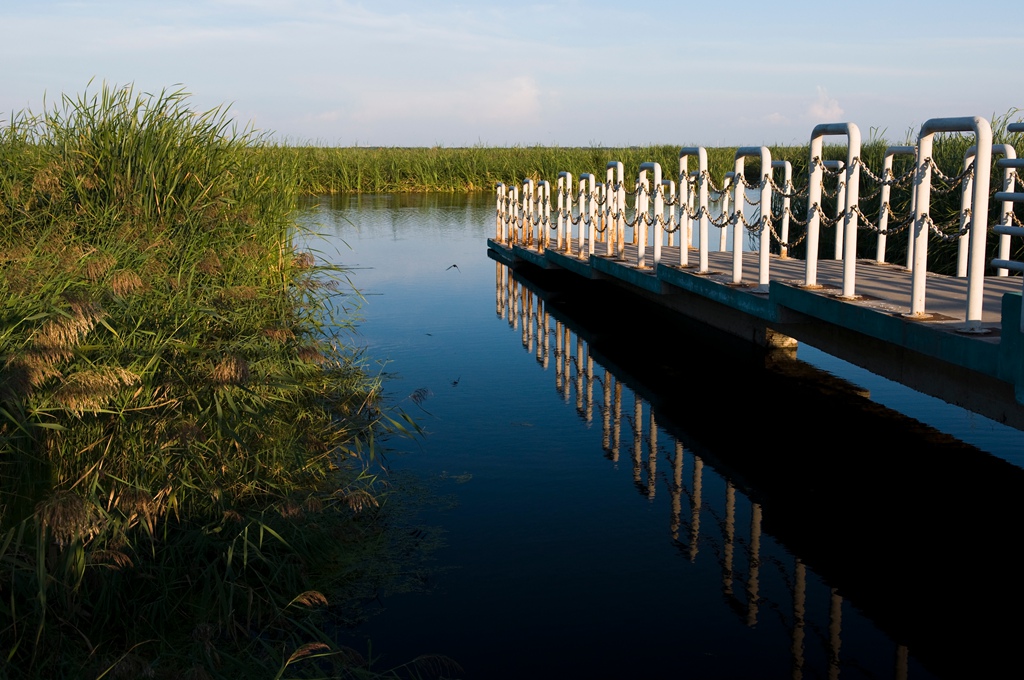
(516, 100)
(824, 109)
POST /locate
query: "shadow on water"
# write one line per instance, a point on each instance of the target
(904, 524)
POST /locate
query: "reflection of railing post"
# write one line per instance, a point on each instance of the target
(542, 330)
(695, 507)
(799, 614)
(902, 662)
(579, 374)
(499, 303)
(652, 457)
(526, 301)
(558, 356)
(547, 335)
(566, 362)
(730, 536)
(590, 387)
(755, 564)
(617, 421)
(835, 625)
(638, 437)
(514, 316)
(606, 412)
(677, 490)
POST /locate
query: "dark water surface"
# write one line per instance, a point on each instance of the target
(638, 497)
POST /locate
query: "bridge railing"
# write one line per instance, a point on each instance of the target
(655, 212)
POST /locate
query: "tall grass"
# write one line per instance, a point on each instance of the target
(184, 436)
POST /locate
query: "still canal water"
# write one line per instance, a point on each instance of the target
(635, 497)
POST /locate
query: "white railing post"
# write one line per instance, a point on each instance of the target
(787, 193)
(670, 190)
(1008, 152)
(726, 184)
(979, 213)
(883, 201)
(643, 212)
(852, 133)
(514, 226)
(545, 213)
(615, 198)
(1005, 207)
(686, 238)
(527, 237)
(499, 220)
(564, 207)
(837, 167)
(589, 205)
(764, 218)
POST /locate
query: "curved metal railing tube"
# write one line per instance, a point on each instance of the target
(544, 198)
(686, 237)
(528, 205)
(499, 220)
(726, 188)
(643, 212)
(1008, 154)
(979, 213)
(837, 167)
(886, 190)
(669, 187)
(852, 133)
(966, 191)
(1011, 197)
(764, 217)
(588, 207)
(615, 195)
(690, 199)
(564, 200)
(787, 193)
(515, 221)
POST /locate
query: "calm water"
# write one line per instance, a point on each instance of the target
(636, 497)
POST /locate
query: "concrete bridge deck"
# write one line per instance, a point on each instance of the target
(982, 372)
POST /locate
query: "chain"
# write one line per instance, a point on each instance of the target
(1014, 219)
(779, 191)
(778, 239)
(838, 171)
(941, 234)
(832, 194)
(796, 220)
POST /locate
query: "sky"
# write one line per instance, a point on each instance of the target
(573, 73)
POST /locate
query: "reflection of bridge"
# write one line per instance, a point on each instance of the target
(955, 337)
(772, 523)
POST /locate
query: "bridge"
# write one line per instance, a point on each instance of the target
(957, 337)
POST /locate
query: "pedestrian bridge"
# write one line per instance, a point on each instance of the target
(746, 258)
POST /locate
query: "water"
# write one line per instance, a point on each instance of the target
(648, 499)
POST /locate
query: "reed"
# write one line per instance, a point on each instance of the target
(186, 438)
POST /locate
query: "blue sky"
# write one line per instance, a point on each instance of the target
(406, 73)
